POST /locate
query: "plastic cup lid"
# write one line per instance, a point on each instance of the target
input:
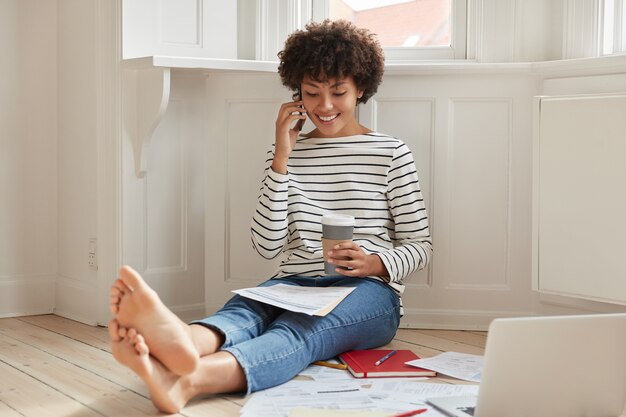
(338, 220)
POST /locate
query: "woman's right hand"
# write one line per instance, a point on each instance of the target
(285, 135)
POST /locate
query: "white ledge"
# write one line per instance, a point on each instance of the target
(397, 67)
(442, 67)
(607, 64)
(215, 64)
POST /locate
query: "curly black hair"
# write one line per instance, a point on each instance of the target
(333, 49)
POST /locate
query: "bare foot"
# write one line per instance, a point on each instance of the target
(130, 349)
(138, 306)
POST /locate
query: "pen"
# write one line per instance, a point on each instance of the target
(384, 358)
(411, 413)
(331, 365)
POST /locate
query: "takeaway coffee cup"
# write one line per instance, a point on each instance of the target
(336, 228)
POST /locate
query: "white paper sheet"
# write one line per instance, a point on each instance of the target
(418, 392)
(457, 365)
(323, 373)
(394, 395)
(279, 401)
(314, 301)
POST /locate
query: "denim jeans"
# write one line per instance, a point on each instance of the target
(273, 345)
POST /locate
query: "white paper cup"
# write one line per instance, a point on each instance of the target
(336, 228)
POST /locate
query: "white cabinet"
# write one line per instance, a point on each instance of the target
(190, 28)
(580, 197)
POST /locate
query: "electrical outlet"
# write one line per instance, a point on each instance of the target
(92, 255)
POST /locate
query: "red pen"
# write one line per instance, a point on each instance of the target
(411, 413)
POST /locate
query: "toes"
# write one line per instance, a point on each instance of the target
(122, 331)
(118, 288)
(117, 292)
(131, 278)
(131, 334)
(114, 330)
(140, 345)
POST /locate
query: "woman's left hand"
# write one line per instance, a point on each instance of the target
(350, 255)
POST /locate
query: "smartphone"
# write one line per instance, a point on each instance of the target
(298, 96)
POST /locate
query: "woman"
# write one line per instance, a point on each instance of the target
(339, 167)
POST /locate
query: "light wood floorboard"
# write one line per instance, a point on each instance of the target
(51, 366)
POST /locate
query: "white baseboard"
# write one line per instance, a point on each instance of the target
(71, 316)
(26, 295)
(444, 319)
(189, 312)
(454, 319)
(77, 300)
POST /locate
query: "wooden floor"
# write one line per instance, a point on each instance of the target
(51, 366)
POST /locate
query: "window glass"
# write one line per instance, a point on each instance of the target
(399, 23)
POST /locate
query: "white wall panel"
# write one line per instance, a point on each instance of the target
(604, 77)
(246, 154)
(470, 134)
(580, 239)
(163, 221)
(165, 197)
(480, 137)
(242, 110)
(413, 121)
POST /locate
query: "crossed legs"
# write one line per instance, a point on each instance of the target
(176, 361)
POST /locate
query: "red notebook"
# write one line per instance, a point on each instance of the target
(361, 364)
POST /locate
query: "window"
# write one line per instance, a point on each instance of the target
(407, 29)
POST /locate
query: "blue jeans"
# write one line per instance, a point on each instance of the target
(273, 345)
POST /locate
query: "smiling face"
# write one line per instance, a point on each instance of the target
(331, 106)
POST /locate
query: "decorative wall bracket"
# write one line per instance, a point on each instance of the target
(146, 94)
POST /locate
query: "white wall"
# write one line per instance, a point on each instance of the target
(28, 163)
(48, 157)
(77, 158)
(51, 163)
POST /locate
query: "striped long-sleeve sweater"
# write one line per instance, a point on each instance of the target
(371, 177)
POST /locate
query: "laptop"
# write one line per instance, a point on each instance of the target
(559, 366)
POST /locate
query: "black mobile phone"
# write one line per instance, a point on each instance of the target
(298, 96)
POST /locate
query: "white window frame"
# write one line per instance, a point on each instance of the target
(276, 19)
(612, 32)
